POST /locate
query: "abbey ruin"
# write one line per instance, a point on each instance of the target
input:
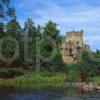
(73, 46)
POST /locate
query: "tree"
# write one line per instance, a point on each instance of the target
(51, 59)
(50, 30)
(8, 48)
(71, 72)
(30, 29)
(2, 30)
(6, 10)
(85, 69)
(96, 64)
(13, 29)
(96, 54)
(57, 64)
(39, 32)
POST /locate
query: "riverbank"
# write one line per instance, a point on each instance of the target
(39, 81)
(92, 85)
(35, 81)
(96, 80)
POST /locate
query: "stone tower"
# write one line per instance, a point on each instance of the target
(75, 37)
(72, 48)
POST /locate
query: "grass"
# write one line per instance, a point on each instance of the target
(35, 81)
(38, 81)
(96, 80)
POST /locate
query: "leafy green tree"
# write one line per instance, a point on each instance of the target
(96, 54)
(6, 10)
(49, 48)
(2, 33)
(39, 33)
(85, 69)
(30, 29)
(13, 29)
(57, 64)
(72, 72)
(8, 48)
(96, 64)
(63, 38)
(50, 30)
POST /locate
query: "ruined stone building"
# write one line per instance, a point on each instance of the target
(73, 47)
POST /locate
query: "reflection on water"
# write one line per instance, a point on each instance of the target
(68, 94)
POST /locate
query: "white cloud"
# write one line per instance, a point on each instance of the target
(67, 15)
(92, 38)
(93, 41)
(75, 16)
(25, 4)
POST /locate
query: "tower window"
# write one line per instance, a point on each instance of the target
(70, 51)
(77, 42)
(69, 41)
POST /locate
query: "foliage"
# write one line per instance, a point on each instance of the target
(45, 43)
(49, 48)
(30, 29)
(2, 34)
(96, 64)
(8, 48)
(13, 29)
(50, 30)
(72, 72)
(96, 80)
(97, 54)
(6, 10)
(85, 69)
(44, 46)
(6, 73)
(36, 81)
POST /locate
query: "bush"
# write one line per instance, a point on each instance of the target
(10, 72)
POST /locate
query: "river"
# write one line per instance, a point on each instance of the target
(71, 94)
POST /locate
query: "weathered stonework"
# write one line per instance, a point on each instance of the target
(73, 47)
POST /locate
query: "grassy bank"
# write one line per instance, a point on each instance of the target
(35, 81)
(96, 80)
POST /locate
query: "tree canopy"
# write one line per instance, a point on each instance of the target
(6, 10)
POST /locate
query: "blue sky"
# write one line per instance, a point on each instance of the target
(69, 14)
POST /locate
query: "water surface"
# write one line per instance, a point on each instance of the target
(6, 94)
